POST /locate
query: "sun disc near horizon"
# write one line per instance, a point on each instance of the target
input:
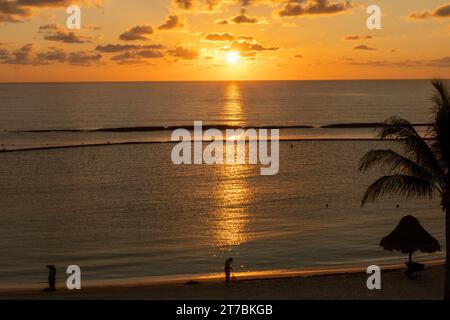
(233, 57)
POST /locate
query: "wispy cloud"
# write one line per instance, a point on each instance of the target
(27, 55)
(58, 33)
(437, 63)
(20, 56)
(172, 22)
(84, 58)
(225, 36)
(140, 33)
(247, 48)
(114, 48)
(137, 57)
(364, 47)
(443, 11)
(21, 10)
(242, 18)
(357, 37)
(199, 5)
(184, 53)
(297, 8)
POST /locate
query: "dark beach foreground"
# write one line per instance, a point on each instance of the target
(343, 285)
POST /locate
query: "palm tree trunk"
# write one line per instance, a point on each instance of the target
(447, 261)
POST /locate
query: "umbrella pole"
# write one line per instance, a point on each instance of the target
(410, 257)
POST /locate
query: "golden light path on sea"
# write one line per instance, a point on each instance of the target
(232, 192)
(233, 109)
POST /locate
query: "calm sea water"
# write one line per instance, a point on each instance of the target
(125, 211)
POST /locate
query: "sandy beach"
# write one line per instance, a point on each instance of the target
(346, 284)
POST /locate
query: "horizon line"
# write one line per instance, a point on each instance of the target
(244, 80)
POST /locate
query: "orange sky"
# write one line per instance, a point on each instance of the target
(142, 40)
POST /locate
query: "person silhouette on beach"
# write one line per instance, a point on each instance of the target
(51, 278)
(228, 269)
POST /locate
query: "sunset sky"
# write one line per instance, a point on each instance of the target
(139, 40)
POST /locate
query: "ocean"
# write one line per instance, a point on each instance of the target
(89, 180)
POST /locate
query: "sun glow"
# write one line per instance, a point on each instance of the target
(233, 57)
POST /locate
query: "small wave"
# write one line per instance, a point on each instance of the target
(109, 144)
(216, 126)
(72, 146)
(160, 128)
(355, 125)
(366, 125)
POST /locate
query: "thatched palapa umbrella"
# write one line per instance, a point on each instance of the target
(408, 237)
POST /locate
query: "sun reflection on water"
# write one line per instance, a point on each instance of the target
(232, 195)
(233, 110)
(232, 192)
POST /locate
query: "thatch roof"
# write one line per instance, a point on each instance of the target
(409, 236)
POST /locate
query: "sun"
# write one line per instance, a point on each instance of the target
(233, 57)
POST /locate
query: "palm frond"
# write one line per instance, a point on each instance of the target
(441, 95)
(440, 129)
(420, 168)
(401, 185)
(414, 147)
(394, 163)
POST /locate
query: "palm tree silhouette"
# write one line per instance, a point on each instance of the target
(422, 168)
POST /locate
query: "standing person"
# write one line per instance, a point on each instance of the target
(228, 269)
(51, 278)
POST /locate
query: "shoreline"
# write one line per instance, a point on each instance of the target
(193, 287)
